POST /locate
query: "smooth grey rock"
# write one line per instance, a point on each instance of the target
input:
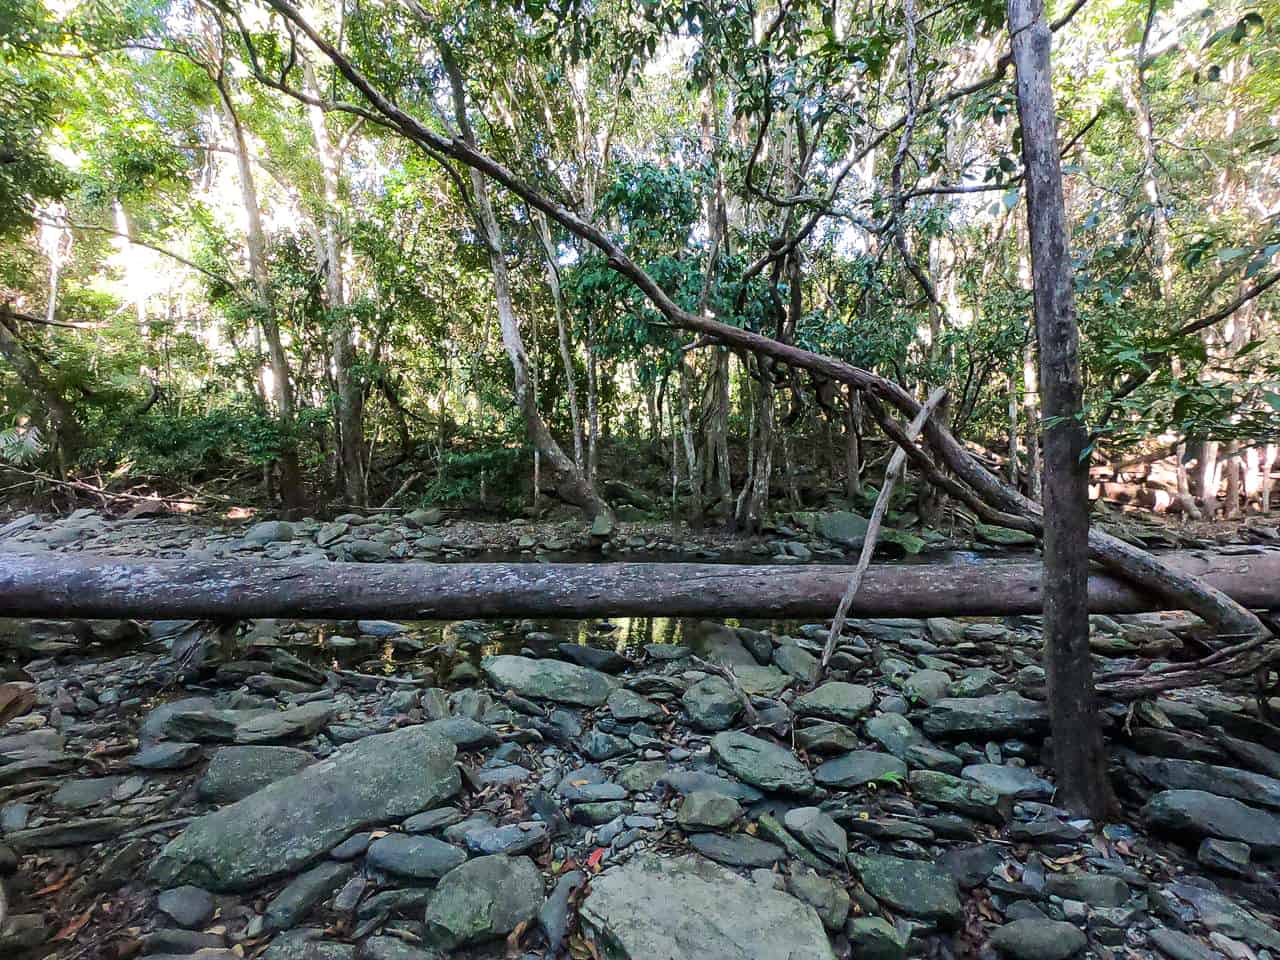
(269, 531)
(840, 701)
(986, 718)
(685, 782)
(926, 686)
(795, 662)
(1009, 781)
(1097, 890)
(187, 906)
(874, 938)
(80, 794)
(166, 756)
(423, 858)
(304, 891)
(962, 796)
(826, 896)
(842, 527)
(294, 723)
(711, 704)
(1252, 788)
(911, 887)
(628, 706)
(762, 764)
(738, 850)
(1223, 915)
(236, 772)
(1038, 940)
(286, 824)
(511, 839)
(704, 810)
(306, 944)
(1225, 856)
(819, 833)
(971, 866)
(464, 733)
(190, 944)
(482, 899)
(859, 767)
(895, 733)
(553, 916)
(826, 736)
(68, 833)
(1198, 814)
(552, 680)
(1180, 946)
(685, 909)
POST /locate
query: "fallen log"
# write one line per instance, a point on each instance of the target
(63, 585)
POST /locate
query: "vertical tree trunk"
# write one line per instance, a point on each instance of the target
(570, 483)
(1210, 479)
(291, 490)
(1231, 466)
(853, 446)
(718, 472)
(754, 501)
(349, 392)
(593, 403)
(1031, 418)
(690, 447)
(1268, 462)
(562, 334)
(1078, 754)
(1013, 430)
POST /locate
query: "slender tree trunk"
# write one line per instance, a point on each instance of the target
(755, 502)
(853, 446)
(1031, 417)
(1210, 478)
(1268, 462)
(291, 490)
(694, 468)
(593, 403)
(1078, 754)
(1013, 430)
(562, 334)
(718, 472)
(349, 391)
(1231, 465)
(570, 483)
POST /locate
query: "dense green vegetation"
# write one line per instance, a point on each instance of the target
(218, 264)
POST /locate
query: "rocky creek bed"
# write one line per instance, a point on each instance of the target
(384, 791)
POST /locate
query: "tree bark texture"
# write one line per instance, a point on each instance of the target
(571, 484)
(1078, 753)
(50, 584)
(349, 392)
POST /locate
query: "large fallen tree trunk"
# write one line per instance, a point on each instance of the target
(972, 482)
(58, 585)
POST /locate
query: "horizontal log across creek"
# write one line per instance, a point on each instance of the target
(68, 585)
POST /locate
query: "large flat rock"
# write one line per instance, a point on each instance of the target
(992, 717)
(550, 680)
(292, 821)
(688, 909)
(1197, 813)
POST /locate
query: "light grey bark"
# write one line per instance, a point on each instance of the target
(349, 391)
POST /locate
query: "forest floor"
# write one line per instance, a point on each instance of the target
(403, 791)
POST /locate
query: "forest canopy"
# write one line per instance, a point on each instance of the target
(219, 259)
